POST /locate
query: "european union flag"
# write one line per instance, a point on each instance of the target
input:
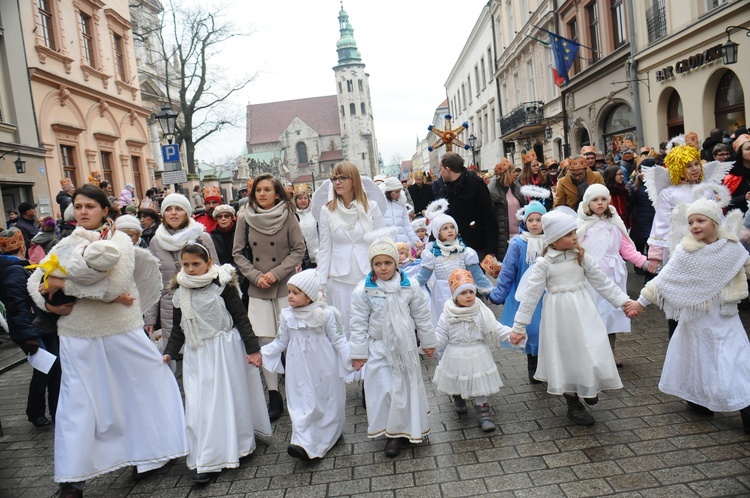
(565, 52)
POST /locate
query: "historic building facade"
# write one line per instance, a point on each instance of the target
(85, 89)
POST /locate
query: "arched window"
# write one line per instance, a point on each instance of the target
(343, 114)
(301, 153)
(362, 108)
(352, 109)
(675, 116)
(618, 127)
(729, 107)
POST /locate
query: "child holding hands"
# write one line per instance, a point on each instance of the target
(575, 359)
(708, 357)
(223, 396)
(386, 310)
(467, 329)
(317, 362)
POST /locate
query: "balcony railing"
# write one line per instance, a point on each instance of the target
(526, 114)
(656, 21)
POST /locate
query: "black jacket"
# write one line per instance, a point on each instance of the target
(29, 229)
(707, 153)
(19, 306)
(469, 204)
(64, 199)
(500, 210)
(223, 242)
(421, 196)
(641, 214)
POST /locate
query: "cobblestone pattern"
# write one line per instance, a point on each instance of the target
(645, 443)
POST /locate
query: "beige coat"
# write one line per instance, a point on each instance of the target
(566, 193)
(280, 254)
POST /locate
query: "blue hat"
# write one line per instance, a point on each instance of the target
(533, 207)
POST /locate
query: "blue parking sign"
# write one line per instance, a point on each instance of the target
(170, 153)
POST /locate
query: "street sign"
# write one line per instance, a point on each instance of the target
(170, 177)
(172, 166)
(170, 153)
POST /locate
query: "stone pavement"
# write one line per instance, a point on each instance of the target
(644, 443)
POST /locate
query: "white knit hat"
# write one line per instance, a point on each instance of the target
(438, 222)
(378, 178)
(383, 247)
(706, 207)
(223, 208)
(128, 222)
(594, 190)
(556, 225)
(101, 255)
(178, 200)
(418, 223)
(392, 184)
(308, 282)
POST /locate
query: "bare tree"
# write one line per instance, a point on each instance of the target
(190, 37)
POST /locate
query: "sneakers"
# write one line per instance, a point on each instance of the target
(392, 447)
(576, 411)
(460, 404)
(485, 414)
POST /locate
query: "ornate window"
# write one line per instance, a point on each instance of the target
(301, 153)
(46, 24)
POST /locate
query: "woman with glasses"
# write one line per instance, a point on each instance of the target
(343, 260)
(614, 181)
(738, 179)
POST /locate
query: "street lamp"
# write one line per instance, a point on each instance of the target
(168, 121)
(729, 49)
(472, 142)
(311, 165)
(20, 163)
(548, 132)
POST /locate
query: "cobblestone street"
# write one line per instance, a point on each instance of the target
(644, 443)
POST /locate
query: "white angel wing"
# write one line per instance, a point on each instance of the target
(146, 278)
(322, 196)
(679, 225)
(656, 179)
(733, 223)
(715, 171)
(375, 194)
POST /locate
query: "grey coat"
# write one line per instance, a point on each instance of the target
(279, 253)
(500, 209)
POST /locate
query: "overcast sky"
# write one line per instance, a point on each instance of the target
(409, 48)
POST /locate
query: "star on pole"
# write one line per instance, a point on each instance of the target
(448, 136)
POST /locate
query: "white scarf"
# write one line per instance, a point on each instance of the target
(697, 273)
(534, 246)
(348, 217)
(267, 221)
(398, 329)
(176, 241)
(447, 248)
(194, 336)
(586, 221)
(456, 314)
(312, 315)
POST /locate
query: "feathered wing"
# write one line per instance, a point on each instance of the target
(375, 194)
(146, 278)
(535, 192)
(381, 233)
(715, 171)
(721, 194)
(679, 225)
(436, 207)
(733, 224)
(320, 198)
(656, 179)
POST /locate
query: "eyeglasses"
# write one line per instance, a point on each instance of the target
(223, 215)
(722, 154)
(578, 173)
(340, 179)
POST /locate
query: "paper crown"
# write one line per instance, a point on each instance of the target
(577, 163)
(11, 244)
(212, 193)
(588, 149)
(460, 278)
(491, 266)
(691, 139)
(645, 150)
(550, 161)
(301, 188)
(528, 157)
(502, 166)
(739, 141)
(564, 164)
(65, 182)
(95, 177)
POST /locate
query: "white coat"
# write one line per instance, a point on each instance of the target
(397, 216)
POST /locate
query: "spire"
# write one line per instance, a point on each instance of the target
(347, 46)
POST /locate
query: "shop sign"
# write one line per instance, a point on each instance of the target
(689, 63)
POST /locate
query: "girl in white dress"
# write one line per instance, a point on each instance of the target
(575, 359)
(603, 235)
(445, 254)
(386, 310)
(317, 361)
(467, 329)
(224, 401)
(708, 358)
(397, 213)
(419, 224)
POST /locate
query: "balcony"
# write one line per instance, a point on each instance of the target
(525, 115)
(656, 22)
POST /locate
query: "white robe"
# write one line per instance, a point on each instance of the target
(317, 360)
(442, 267)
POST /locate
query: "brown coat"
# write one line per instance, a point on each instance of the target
(280, 254)
(567, 191)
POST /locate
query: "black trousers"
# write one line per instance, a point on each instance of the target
(45, 384)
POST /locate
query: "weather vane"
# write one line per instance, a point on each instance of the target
(448, 136)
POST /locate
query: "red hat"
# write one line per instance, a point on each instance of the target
(212, 194)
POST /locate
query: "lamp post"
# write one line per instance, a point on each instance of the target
(20, 163)
(311, 165)
(548, 132)
(729, 49)
(167, 119)
(472, 142)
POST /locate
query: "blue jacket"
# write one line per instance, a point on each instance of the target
(18, 304)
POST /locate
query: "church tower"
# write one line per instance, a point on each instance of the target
(355, 106)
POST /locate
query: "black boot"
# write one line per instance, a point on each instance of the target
(745, 414)
(576, 411)
(364, 399)
(459, 403)
(612, 339)
(531, 362)
(701, 410)
(275, 405)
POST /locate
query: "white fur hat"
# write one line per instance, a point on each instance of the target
(178, 200)
(392, 184)
(594, 190)
(383, 247)
(418, 223)
(706, 207)
(308, 282)
(438, 222)
(128, 222)
(556, 225)
(436, 213)
(101, 255)
(223, 208)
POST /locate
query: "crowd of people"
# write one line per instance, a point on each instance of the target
(353, 283)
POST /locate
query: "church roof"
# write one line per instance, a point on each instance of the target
(331, 155)
(266, 122)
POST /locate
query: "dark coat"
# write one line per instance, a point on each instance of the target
(738, 183)
(19, 306)
(28, 228)
(421, 196)
(223, 242)
(499, 200)
(469, 204)
(641, 214)
(64, 199)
